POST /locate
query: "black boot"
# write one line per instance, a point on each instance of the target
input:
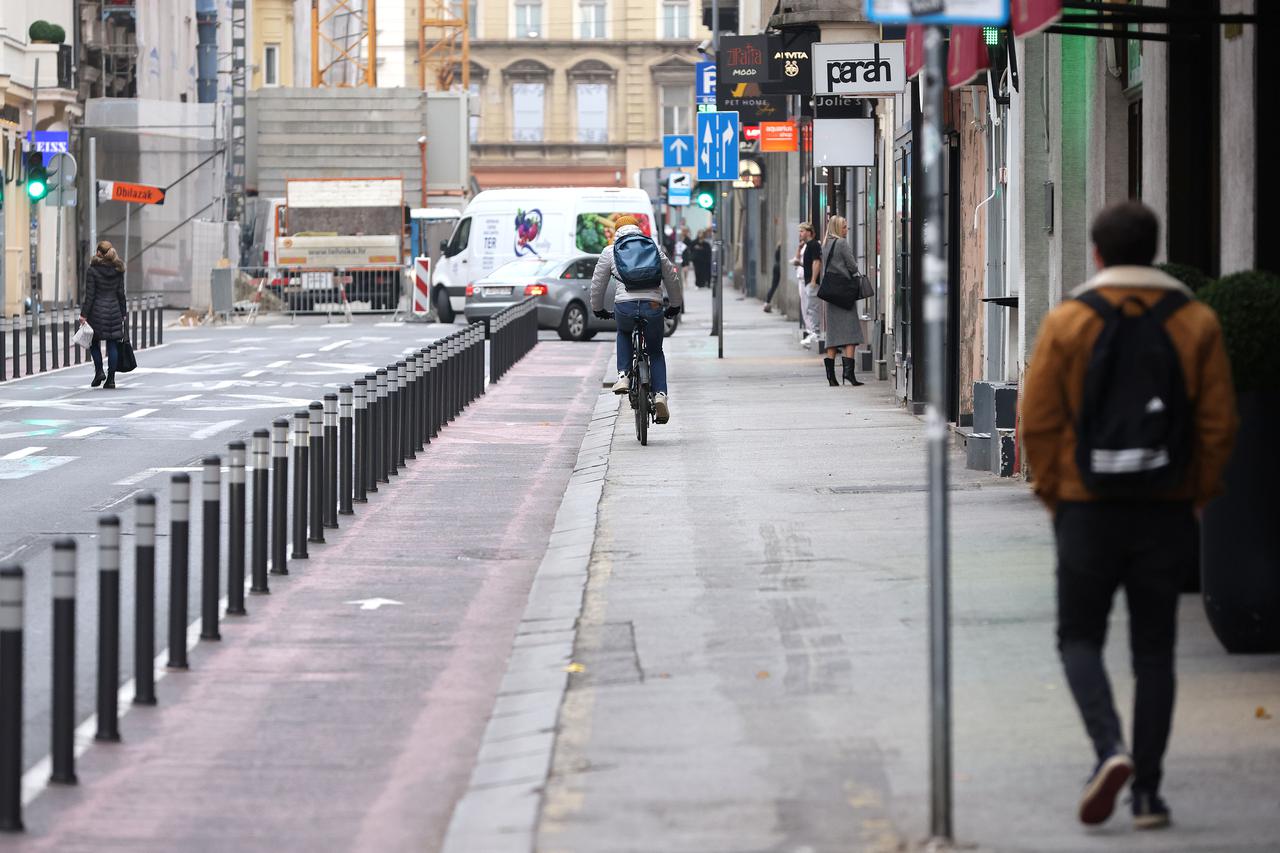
(98, 378)
(830, 365)
(111, 379)
(847, 366)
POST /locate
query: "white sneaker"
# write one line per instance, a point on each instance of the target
(661, 412)
(807, 341)
(623, 385)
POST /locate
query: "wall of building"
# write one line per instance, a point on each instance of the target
(1238, 168)
(272, 23)
(971, 124)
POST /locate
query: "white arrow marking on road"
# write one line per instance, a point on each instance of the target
(374, 603)
(706, 148)
(679, 146)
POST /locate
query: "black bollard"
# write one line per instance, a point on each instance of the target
(160, 319)
(402, 437)
(155, 319)
(144, 600)
(300, 440)
(108, 628)
(359, 475)
(179, 560)
(371, 434)
(11, 594)
(75, 325)
(62, 714)
(346, 442)
(423, 382)
(4, 346)
(380, 436)
(261, 489)
(437, 382)
(315, 449)
(280, 496)
(55, 320)
(17, 346)
(211, 520)
(330, 461)
(411, 408)
(235, 529)
(41, 322)
(393, 422)
(419, 383)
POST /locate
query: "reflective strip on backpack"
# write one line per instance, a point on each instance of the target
(1128, 461)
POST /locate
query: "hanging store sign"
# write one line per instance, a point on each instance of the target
(966, 56)
(741, 59)
(750, 132)
(751, 106)
(867, 69)
(1031, 16)
(791, 62)
(779, 136)
(915, 50)
(844, 142)
(838, 106)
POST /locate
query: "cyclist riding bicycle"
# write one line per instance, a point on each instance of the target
(646, 280)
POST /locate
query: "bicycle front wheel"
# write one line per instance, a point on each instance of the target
(642, 415)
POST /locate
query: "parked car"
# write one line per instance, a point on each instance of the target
(563, 288)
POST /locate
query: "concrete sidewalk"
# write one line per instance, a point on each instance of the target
(750, 665)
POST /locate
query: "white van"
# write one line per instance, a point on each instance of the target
(502, 225)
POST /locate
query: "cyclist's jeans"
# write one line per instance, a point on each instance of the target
(626, 313)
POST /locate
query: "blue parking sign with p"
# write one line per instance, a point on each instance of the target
(705, 88)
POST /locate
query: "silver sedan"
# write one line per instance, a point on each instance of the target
(563, 288)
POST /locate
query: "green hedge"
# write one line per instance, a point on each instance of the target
(1191, 276)
(1248, 306)
(45, 31)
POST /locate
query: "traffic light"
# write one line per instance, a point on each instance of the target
(37, 176)
(705, 197)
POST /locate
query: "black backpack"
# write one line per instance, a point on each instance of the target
(636, 262)
(1134, 432)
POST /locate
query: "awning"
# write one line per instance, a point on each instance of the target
(1031, 16)
(967, 55)
(915, 49)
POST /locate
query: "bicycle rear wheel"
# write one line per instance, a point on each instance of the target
(642, 415)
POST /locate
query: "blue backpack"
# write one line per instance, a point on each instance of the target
(636, 262)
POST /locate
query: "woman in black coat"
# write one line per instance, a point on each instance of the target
(105, 310)
(701, 252)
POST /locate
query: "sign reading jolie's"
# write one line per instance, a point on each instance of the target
(869, 69)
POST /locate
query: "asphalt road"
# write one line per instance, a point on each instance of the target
(70, 453)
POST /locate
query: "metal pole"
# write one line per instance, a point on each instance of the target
(235, 529)
(11, 594)
(935, 318)
(261, 488)
(179, 558)
(62, 750)
(330, 491)
(93, 194)
(346, 440)
(211, 520)
(108, 627)
(144, 601)
(315, 434)
(300, 439)
(124, 256)
(280, 496)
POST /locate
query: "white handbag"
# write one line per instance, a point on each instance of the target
(83, 336)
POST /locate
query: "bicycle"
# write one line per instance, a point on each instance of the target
(638, 376)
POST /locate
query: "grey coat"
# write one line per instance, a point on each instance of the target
(104, 302)
(841, 327)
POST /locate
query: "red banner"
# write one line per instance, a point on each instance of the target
(1032, 16)
(967, 56)
(915, 49)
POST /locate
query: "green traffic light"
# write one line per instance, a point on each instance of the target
(37, 176)
(991, 36)
(705, 200)
(37, 189)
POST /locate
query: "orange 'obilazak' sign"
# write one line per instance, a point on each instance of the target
(136, 193)
(779, 136)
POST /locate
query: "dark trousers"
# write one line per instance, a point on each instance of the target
(1148, 549)
(113, 354)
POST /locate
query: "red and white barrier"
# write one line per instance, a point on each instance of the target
(421, 286)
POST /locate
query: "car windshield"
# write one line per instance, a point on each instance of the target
(523, 269)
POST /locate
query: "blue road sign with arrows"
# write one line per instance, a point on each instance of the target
(717, 140)
(677, 150)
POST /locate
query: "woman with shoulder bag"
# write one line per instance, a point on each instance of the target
(843, 326)
(104, 309)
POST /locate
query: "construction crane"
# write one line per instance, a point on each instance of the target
(348, 32)
(444, 44)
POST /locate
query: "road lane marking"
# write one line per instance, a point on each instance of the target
(333, 346)
(147, 474)
(31, 433)
(17, 469)
(213, 429)
(307, 355)
(139, 413)
(252, 373)
(375, 603)
(84, 432)
(281, 363)
(106, 505)
(185, 398)
(23, 453)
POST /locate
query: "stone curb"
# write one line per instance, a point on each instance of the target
(499, 811)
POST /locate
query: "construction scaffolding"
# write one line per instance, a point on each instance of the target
(444, 44)
(237, 133)
(344, 43)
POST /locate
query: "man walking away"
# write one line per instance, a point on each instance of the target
(1128, 417)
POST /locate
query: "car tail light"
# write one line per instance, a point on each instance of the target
(535, 290)
(471, 290)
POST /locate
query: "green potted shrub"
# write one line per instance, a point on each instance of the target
(43, 32)
(1240, 540)
(1192, 277)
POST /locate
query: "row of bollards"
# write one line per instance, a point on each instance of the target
(343, 448)
(42, 338)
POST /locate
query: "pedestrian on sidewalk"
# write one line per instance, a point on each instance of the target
(701, 257)
(808, 260)
(104, 309)
(646, 290)
(776, 279)
(843, 327)
(684, 261)
(1128, 417)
